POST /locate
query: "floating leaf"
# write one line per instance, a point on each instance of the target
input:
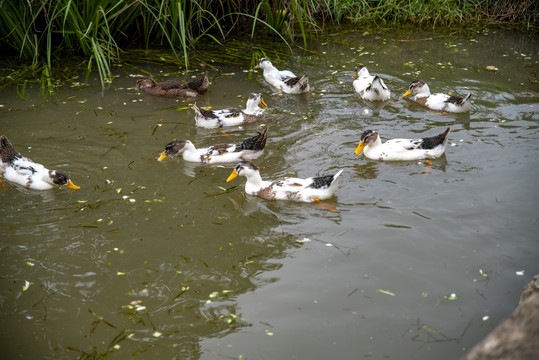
(157, 334)
(29, 263)
(385, 292)
(26, 285)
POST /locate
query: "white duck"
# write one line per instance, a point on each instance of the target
(295, 189)
(402, 149)
(370, 87)
(284, 80)
(250, 148)
(21, 170)
(211, 119)
(439, 101)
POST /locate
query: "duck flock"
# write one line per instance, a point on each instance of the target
(18, 169)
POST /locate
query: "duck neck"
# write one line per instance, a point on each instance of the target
(269, 68)
(424, 92)
(254, 182)
(376, 143)
(252, 108)
(190, 152)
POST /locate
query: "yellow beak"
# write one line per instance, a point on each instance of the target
(409, 92)
(263, 103)
(359, 148)
(232, 176)
(257, 67)
(162, 157)
(70, 185)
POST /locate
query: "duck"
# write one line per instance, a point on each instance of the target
(370, 87)
(402, 149)
(312, 189)
(18, 169)
(250, 148)
(174, 88)
(284, 80)
(438, 101)
(211, 119)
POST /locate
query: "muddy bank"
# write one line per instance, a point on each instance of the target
(516, 337)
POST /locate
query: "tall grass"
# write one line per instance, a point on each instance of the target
(41, 32)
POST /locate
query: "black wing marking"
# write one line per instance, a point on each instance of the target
(257, 142)
(321, 182)
(7, 152)
(233, 113)
(430, 143)
(207, 113)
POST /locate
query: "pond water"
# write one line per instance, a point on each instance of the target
(154, 260)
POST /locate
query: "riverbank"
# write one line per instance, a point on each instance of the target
(39, 36)
(516, 337)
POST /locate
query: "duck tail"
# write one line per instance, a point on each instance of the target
(445, 134)
(430, 143)
(7, 151)
(335, 182)
(197, 110)
(303, 83)
(201, 85)
(467, 98)
(328, 181)
(255, 143)
(304, 79)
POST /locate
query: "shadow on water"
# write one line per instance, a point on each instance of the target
(166, 260)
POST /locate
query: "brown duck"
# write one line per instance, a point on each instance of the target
(174, 88)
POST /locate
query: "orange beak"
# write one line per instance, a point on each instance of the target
(409, 92)
(359, 148)
(70, 185)
(162, 157)
(232, 176)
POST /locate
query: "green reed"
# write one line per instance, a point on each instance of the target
(42, 32)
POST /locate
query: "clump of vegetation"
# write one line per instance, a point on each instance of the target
(436, 12)
(42, 32)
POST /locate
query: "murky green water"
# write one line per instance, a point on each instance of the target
(157, 259)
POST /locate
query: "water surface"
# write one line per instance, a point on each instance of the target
(159, 260)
